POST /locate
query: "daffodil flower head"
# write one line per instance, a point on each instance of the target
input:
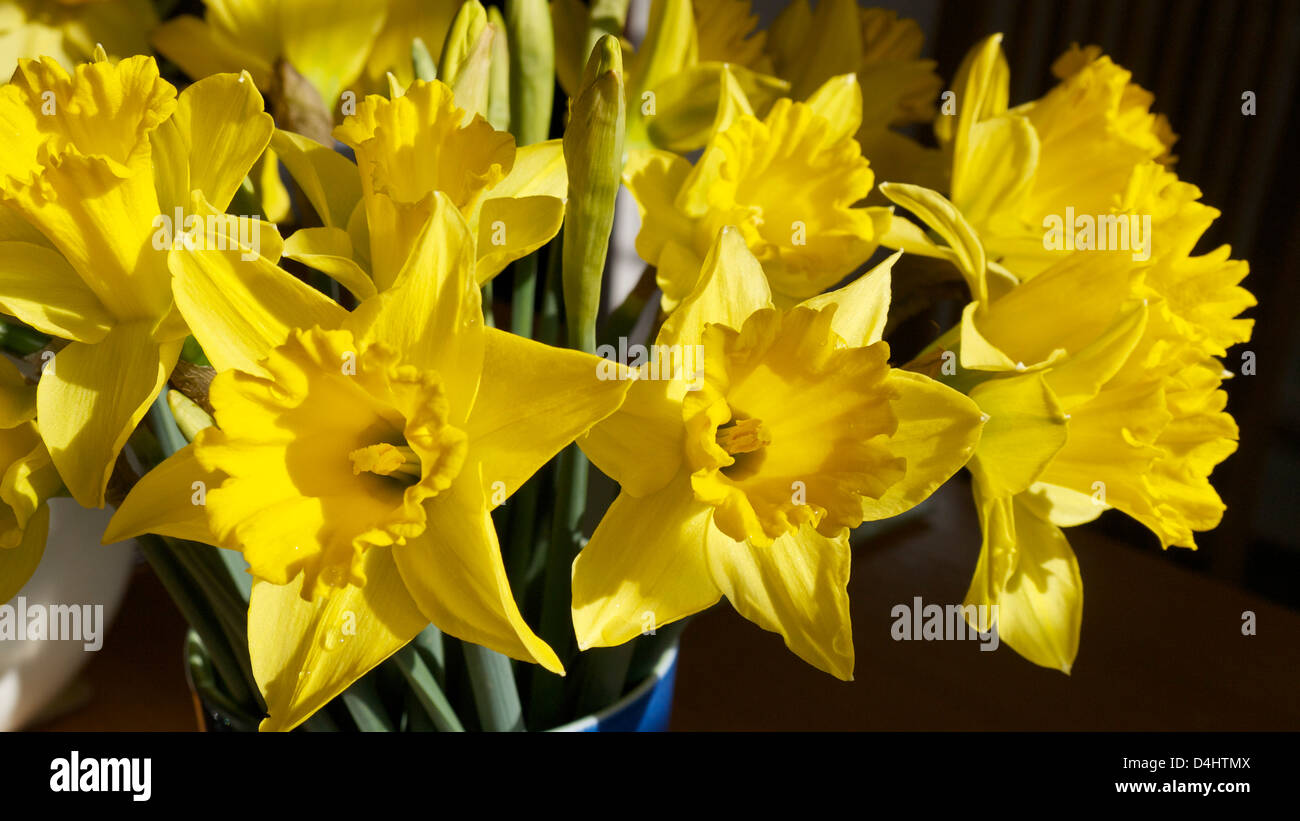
(411, 146)
(789, 182)
(363, 441)
(1077, 146)
(810, 46)
(755, 454)
(93, 159)
(1099, 393)
(357, 457)
(746, 486)
(407, 148)
(728, 33)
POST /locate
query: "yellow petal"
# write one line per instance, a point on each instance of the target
(839, 101)
(669, 47)
(321, 37)
(240, 309)
(655, 177)
(455, 574)
(17, 564)
(432, 313)
(1080, 376)
(1027, 569)
(328, 179)
(1027, 325)
(837, 29)
(538, 171)
(510, 228)
(29, 479)
(93, 397)
(995, 174)
(305, 653)
(861, 307)
(1064, 507)
(329, 250)
(38, 286)
(169, 500)
(532, 401)
(704, 98)
(1025, 430)
(938, 429)
(225, 130)
(624, 588)
(797, 586)
(17, 398)
(947, 221)
(104, 226)
(201, 50)
(730, 288)
(641, 445)
(983, 82)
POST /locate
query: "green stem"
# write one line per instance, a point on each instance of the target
(525, 293)
(366, 708)
(164, 425)
(495, 693)
(605, 676)
(523, 524)
(426, 689)
(20, 339)
(557, 626)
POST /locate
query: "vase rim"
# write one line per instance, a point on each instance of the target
(657, 674)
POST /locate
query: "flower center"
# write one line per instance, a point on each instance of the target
(335, 452)
(386, 460)
(743, 436)
(788, 426)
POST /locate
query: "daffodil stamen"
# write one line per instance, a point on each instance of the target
(743, 436)
(384, 459)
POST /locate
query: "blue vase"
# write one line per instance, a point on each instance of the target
(645, 709)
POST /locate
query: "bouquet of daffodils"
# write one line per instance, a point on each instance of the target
(319, 312)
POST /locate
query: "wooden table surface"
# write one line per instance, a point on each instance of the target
(1162, 649)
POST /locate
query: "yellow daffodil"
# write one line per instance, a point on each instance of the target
(728, 33)
(1089, 151)
(356, 457)
(93, 160)
(745, 486)
(1076, 147)
(334, 44)
(408, 148)
(28, 480)
(809, 47)
(789, 182)
(1098, 395)
(69, 30)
